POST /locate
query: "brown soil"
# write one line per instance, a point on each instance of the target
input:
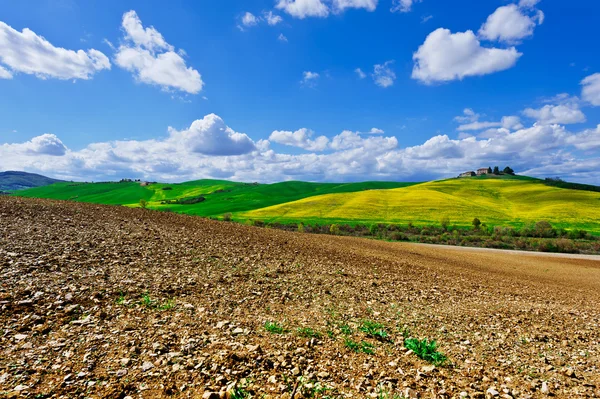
(110, 302)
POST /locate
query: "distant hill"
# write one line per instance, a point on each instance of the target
(12, 180)
(508, 201)
(218, 196)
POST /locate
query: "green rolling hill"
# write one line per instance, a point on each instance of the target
(506, 201)
(511, 201)
(219, 196)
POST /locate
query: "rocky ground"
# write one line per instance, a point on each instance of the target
(110, 302)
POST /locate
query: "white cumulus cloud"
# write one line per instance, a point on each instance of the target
(27, 52)
(403, 5)
(211, 136)
(510, 23)
(304, 8)
(152, 60)
(309, 78)
(565, 114)
(591, 89)
(446, 56)
(341, 5)
(383, 75)
(301, 138)
(360, 73)
(272, 19)
(4, 74)
(249, 19)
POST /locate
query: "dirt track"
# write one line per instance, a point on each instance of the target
(99, 301)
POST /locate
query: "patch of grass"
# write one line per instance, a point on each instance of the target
(275, 328)
(168, 305)
(238, 393)
(359, 347)
(426, 350)
(147, 301)
(308, 333)
(386, 394)
(374, 330)
(121, 299)
(345, 329)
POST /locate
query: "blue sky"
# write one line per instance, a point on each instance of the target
(323, 90)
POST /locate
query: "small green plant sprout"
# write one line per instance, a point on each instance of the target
(300, 228)
(121, 298)
(345, 329)
(147, 301)
(168, 305)
(143, 203)
(274, 328)
(308, 333)
(238, 392)
(359, 347)
(383, 393)
(374, 330)
(227, 217)
(426, 350)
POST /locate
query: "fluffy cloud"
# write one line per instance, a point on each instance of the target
(210, 149)
(249, 19)
(360, 73)
(588, 140)
(510, 23)
(591, 89)
(300, 138)
(403, 5)
(446, 56)
(563, 114)
(272, 19)
(341, 5)
(29, 53)
(152, 60)
(46, 144)
(350, 140)
(320, 8)
(211, 136)
(4, 74)
(470, 122)
(383, 76)
(374, 130)
(282, 38)
(304, 8)
(309, 78)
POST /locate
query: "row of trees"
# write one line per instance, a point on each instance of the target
(496, 171)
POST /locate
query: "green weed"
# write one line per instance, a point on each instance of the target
(359, 347)
(274, 328)
(374, 330)
(308, 333)
(426, 350)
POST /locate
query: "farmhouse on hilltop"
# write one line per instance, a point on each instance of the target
(467, 174)
(482, 171)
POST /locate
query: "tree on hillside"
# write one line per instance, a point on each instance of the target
(476, 223)
(445, 222)
(143, 203)
(508, 170)
(490, 170)
(496, 170)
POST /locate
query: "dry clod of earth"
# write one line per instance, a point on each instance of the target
(111, 302)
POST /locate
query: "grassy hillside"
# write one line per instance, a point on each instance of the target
(220, 196)
(11, 180)
(507, 201)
